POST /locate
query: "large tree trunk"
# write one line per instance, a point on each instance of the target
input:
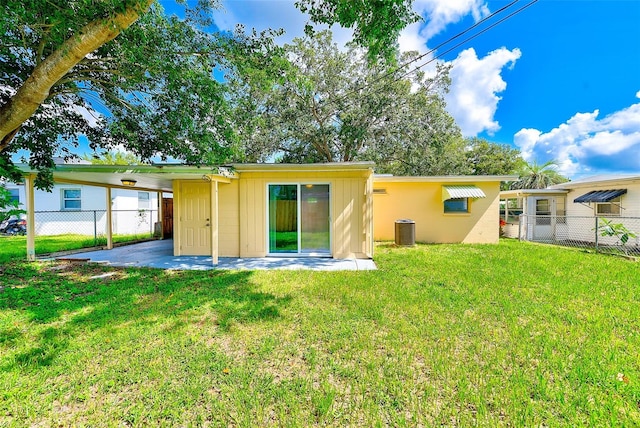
(35, 90)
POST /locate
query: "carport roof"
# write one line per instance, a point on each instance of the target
(160, 177)
(147, 177)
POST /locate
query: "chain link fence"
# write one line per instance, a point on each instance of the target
(614, 235)
(90, 227)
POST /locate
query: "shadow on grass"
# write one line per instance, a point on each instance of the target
(69, 300)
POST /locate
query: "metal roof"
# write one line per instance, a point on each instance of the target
(600, 196)
(455, 192)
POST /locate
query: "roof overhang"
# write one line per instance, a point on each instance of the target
(459, 192)
(444, 179)
(599, 196)
(308, 167)
(160, 177)
(522, 193)
(147, 177)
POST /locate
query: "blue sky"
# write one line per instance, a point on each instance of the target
(559, 80)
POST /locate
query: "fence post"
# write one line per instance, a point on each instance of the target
(520, 217)
(95, 229)
(596, 232)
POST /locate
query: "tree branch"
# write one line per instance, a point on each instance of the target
(35, 90)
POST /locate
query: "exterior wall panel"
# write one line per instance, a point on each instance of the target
(229, 219)
(422, 202)
(348, 210)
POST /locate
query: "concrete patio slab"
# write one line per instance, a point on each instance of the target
(159, 254)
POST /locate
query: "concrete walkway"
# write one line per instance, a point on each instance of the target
(159, 254)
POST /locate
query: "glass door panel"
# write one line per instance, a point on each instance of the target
(283, 218)
(314, 219)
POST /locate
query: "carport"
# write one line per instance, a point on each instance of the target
(157, 178)
(244, 211)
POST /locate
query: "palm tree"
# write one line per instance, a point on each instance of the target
(538, 176)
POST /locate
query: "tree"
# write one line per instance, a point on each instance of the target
(486, 158)
(150, 74)
(8, 205)
(114, 158)
(538, 176)
(335, 105)
(377, 24)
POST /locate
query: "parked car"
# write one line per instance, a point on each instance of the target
(14, 226)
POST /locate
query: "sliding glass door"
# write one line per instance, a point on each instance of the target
(299, 219)
(314, 219)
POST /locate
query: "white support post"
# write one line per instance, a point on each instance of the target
(161, 214)
(109, 220)
(214, 222)
(31, 217)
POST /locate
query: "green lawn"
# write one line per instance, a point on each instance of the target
(515, 334)
(15, 247)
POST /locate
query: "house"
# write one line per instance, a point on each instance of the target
(571, 211)
(258, 210)
(81, 209)
(445, 209)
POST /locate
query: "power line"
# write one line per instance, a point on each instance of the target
(468, 39)
(449, 40)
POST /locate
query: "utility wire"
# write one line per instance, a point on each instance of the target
(466, 40)
(449, 40)
(430, 51)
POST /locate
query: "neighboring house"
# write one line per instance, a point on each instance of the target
(81, 209)
(446, 209)
(570, 211)
(257, 210)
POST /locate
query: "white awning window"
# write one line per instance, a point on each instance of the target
(459, 192)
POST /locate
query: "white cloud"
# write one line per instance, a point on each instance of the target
(475, 83)
(586, 144)
(472, 100)
(438, 14)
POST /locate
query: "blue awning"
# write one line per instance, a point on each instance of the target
(600, 196)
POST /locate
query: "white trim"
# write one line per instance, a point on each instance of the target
(299, 252)
(63, 199)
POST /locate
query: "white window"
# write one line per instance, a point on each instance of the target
(144, 202)
(456, 205)
(71, 199)
(14, 195)
(611, 208)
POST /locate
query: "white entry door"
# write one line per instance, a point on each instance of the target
(545, 221)
(195, 218)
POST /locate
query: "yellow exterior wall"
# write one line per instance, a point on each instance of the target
(351, 216)
(229, 219)
(422, 202)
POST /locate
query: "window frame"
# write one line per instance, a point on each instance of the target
(64, 199)
(15, 195)
(148, 201)
(448, 203)
(612, 203)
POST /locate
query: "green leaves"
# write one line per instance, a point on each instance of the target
(538, 176)
(617, 230)
(333, 105)
(376, 24)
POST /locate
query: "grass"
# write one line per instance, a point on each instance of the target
(12, 247)
(515, 334)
